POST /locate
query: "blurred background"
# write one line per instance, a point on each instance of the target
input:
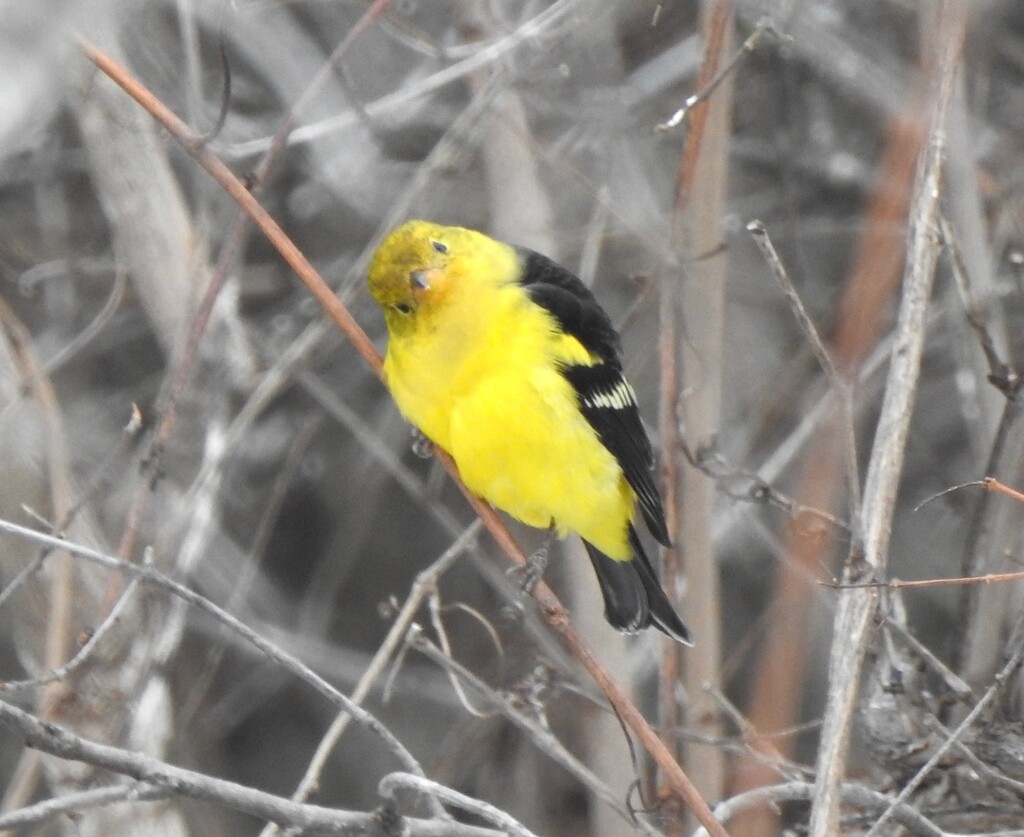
(172, 394)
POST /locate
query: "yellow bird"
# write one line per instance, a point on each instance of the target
(507, 361)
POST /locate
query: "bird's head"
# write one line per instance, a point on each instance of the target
(423, 267)
(411, 267)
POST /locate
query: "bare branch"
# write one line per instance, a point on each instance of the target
(86, 800)
(542, 738)
(855, 607)
(273, 652)
(856, 795)
(394, 782)
(59, 742)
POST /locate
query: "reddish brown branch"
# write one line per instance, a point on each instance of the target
(702, 167)
(992, 484)
(719, 26)
(244, 198)
(551, 607)
(167, 406)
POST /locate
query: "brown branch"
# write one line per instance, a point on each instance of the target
(702, 170)
(992, 484)
(243, 197)
(232, 246)
(552, 608)
(718, 28)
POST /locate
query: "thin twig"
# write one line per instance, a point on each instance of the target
(953, 682)
(437, 623)
(83, 801)
(755, 743)
(86, 800)
(96, 637)
(541, 737)
(764, 27)
(531, 31)
(898, 584)
(932, 497)
(748, 487)
(1000, 373)
(95, 326)
(936, 726)
(840, 384)
(96, 481)
(759, 233)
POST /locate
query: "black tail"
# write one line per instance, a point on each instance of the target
(633, 598)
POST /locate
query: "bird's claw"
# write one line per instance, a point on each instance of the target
(532, 571)
(421, 445)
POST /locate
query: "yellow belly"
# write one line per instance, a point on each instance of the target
(484, 385)
(522, 445)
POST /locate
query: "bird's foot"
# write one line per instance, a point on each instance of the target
(530, 573)
(421, 445)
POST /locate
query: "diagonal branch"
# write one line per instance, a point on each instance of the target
(553, 610)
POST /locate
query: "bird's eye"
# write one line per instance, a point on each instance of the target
(403, 307)
(439, 246)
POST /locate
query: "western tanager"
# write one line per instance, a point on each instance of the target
(507, 361)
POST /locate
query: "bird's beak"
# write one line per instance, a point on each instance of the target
(420, 280)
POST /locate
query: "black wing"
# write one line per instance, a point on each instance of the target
(605, 397)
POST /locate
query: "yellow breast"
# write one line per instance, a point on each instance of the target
(486, 387)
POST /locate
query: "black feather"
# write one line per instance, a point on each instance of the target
(662, 614)
(633, 598)
(625, 599)
(604, 396)
(571, 303)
